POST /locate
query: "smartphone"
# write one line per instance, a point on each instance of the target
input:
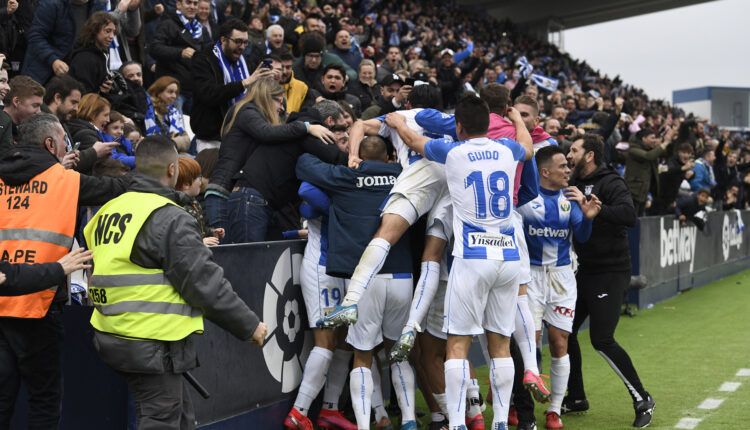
(267, 63)
(76, 146)
(565, 132)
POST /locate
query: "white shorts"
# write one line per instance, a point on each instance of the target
(524, 274)
(320, 291)
(416, 190)
(433, 322)
(552, 296)
(481, 295)
(440, 217)
(383, 312)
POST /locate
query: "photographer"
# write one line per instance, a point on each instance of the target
(90, 61)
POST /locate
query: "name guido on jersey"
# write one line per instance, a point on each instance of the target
(483, 155)
(375, 181)
(561, 233)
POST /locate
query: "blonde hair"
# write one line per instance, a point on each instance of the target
(261, 93)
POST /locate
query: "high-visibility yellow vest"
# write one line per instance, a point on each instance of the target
(130, 300)
(37, 222)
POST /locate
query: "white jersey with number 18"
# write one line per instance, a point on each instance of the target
(480, 174)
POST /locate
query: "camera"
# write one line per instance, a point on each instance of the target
(119, 84)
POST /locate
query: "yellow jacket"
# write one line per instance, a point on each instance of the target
(296, 91)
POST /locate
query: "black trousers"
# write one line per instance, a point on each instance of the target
(161, 401)
(31, 351)
(521, 397)
(600, 298)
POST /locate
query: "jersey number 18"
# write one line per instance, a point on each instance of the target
(499, 190)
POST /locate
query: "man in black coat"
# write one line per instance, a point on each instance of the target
(178, 37)
(603, 276)
(20, 279)
(213, 95)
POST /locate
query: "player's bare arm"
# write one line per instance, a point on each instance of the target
(359, 130)
(411, 138)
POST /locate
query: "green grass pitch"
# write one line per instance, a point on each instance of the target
(683, 349)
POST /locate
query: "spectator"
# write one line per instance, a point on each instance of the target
(89, 62)
(114, 132)
(6, 123)
(178, 37)
(133, 103)
(50, 40)
(365, 87)
(189, 181)
(62, 97)
(731, 199)
(704, 172)
(679, 168)
(394, 61)
(332, 86)
(133, 135)
(272, 45)
(310, 68)
(87, 131)
(297, 92)
(691, 206)
(252, 122)
(128, 18)
(9, 31)
(642, 168)
(449, 78)
(220, 78)
(726, 170)
(206, 19)
(23, 100)
(266, 191)
(393, 95)
(343, 48)
(162, 117)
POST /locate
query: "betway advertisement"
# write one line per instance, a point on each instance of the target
(669, 249)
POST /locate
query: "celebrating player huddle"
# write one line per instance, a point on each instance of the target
(511, 217)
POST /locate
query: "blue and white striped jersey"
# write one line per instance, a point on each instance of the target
(407, 156)
(548, 222)
(480, 174)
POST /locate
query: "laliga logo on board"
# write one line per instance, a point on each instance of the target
(731, 234)
(677, 244)
(287, 345)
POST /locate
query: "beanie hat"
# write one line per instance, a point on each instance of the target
(312, 42)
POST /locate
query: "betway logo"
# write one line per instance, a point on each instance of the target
(375, 181)
(677, 244)
(561, 233)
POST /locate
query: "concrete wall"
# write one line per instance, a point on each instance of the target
(730, 107)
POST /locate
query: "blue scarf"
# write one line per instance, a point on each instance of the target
(172, 120)
(233, 72)
(193, 26)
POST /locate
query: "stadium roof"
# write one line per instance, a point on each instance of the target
(573, 13)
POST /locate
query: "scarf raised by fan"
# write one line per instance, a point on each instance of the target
(172, 119)
(192, 25)
(233, 72)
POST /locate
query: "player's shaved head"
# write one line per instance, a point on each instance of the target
(373, 148)
(473, 115)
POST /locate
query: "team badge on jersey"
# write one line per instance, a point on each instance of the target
(565, 206)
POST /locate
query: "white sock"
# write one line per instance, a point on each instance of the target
(501, 379)
(313, 378)
(336, 379)
(437, 417)
(456, 379)
(472, 399)
(402, 376)
(427, 285)
(442, 402)
(377, 393)
(360, 388)
(559, 370)
(525, 334)
(369, 265)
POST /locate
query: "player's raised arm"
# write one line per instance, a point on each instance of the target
(522, 133)
(411, 138)
(359, 130)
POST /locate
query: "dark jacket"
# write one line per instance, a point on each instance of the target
(381, 106)
(642, 170)
(30, 278)
(89, 67)
(50, 37)
(6, 132)
(166, 48)
(354, 215)
(132, 104)
(365, 93)
(21, 164)
(270, 168)
(342, 95)
(607, 249)
(211, 96)
(163, 242)
(669, 184)
(351, 57)
(83, 132)
(249, 131)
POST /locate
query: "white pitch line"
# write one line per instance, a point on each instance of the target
(729, 386)
(743, 372)
(688, 423)
(711, 403)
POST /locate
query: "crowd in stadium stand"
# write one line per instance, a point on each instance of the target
(246, 72)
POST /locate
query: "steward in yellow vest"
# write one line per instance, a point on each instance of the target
(39, 202)
(153, 283)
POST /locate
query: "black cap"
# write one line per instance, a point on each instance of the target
(421, 76)
(392, 79)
